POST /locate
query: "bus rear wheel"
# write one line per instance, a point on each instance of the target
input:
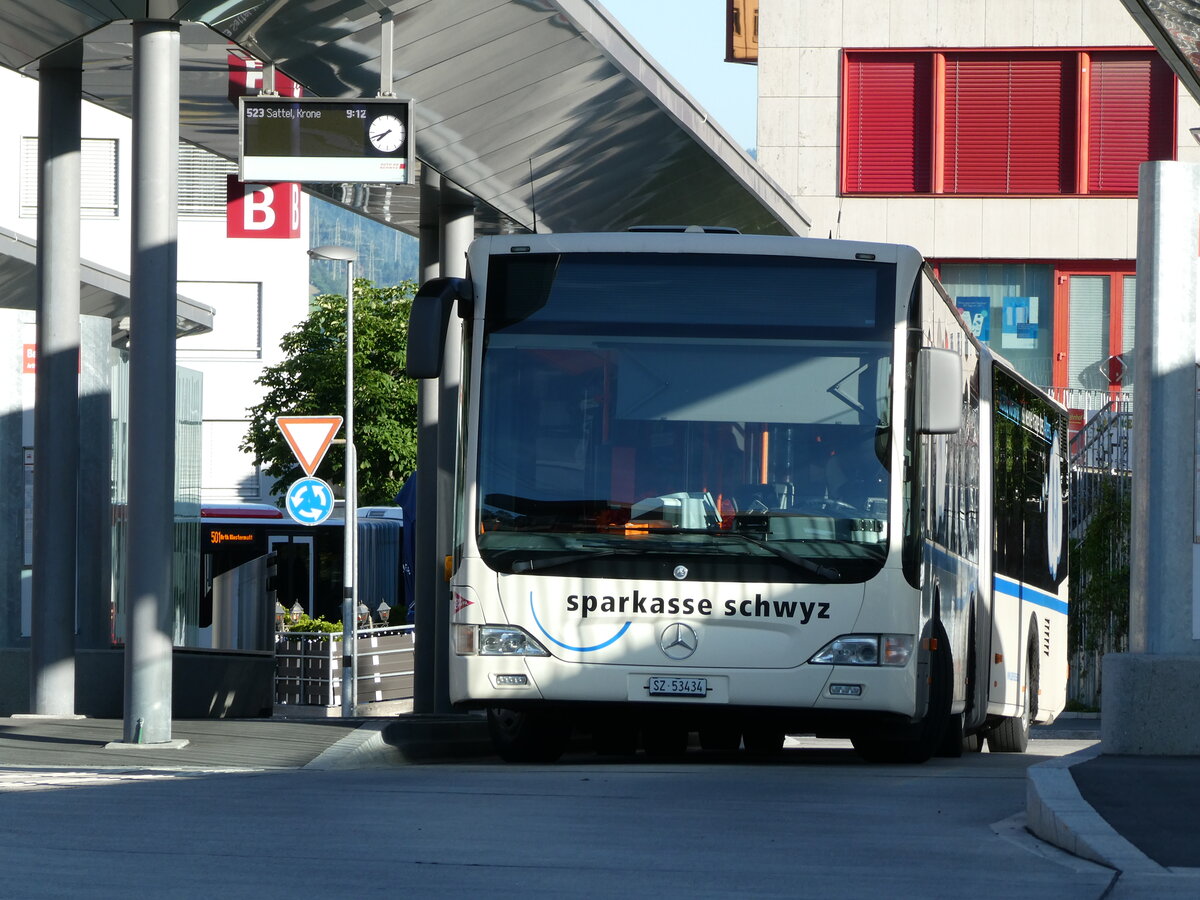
(1012, 734)
(522, 736)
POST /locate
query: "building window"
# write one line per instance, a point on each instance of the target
(887, 128)
(97, 178)
(1010, 307)
(1012, 122)
(202, 185)
(237, 320)
(1064, 325)
(1007, 122)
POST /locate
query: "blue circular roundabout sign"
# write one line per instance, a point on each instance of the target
(310, 501)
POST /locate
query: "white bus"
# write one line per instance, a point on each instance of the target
(743, 487)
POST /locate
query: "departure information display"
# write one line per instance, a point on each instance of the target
(315, 139)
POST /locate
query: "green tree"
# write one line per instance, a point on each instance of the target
(311, 381)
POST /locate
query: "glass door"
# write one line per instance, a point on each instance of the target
(294, 569)
(1097, 355)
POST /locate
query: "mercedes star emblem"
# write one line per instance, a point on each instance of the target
(678, 641)
(680, 572)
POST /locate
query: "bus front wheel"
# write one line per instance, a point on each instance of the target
(927, 735)
(523, 736)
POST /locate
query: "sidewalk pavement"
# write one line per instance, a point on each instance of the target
(1139, 815)
(231, 744)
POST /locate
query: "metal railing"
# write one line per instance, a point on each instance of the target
(308, 666)
(1101, 480)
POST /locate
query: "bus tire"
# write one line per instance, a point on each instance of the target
(665, 740)
(521, 736)
(927, 735)
(763, 740)
(722, 738)
(614, 736)
(1012, 734)
(951, 746)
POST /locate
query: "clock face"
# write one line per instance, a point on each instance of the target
(386, 133)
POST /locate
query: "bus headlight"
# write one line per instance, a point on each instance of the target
(866, 650)
(495, 640)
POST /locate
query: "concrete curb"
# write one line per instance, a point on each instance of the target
(384, 743)
(1056, 812)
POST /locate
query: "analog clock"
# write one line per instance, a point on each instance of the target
(386, 133)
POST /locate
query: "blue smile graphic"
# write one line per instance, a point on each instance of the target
(555, 640)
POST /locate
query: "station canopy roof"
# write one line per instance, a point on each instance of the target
(1174, 28)
(545, 111)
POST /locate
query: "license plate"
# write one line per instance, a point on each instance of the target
(671, 686)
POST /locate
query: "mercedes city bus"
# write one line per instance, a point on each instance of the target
(742, 487)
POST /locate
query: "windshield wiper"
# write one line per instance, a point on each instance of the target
(563, 559)
(807, 564)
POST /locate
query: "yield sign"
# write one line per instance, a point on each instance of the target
(309, 437)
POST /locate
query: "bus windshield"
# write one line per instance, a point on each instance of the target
(729, 415)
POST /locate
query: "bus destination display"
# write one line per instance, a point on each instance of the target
(324, 140)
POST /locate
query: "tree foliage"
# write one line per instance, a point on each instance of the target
(1099, 577)
(311, 381)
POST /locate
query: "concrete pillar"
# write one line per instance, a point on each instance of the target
(94, 567)
(12, 478)
(152, 381)
(1143, 689)
(426, 573)
(56, 419)
(457, 232)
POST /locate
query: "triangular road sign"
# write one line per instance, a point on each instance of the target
(309, 437)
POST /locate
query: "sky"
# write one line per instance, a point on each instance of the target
(687, 38)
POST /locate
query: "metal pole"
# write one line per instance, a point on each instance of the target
(425, 572)
(149, 619)
(457, 230)
(56, 408)
(350, 538)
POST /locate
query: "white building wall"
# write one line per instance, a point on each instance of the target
(223, 273)
(799, 72)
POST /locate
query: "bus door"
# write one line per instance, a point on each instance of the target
(1012, 496)
(1027, 556)
(295, 569)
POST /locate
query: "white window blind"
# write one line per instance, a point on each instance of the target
(1128, 312)
(98, 183)
(1087, 355)
(202, 182)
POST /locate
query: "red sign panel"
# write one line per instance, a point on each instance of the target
(262, 210)
(246, 75)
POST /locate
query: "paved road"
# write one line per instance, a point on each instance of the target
(816, 823)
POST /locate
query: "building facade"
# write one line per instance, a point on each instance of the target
(256, 287)
(1001, 138)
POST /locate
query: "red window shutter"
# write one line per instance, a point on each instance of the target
(887, 122)
(1009, 124)
(1129, 118)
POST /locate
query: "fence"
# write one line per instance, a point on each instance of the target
(308, 667)
(1101, 486)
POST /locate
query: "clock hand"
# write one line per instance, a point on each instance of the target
(382, 135)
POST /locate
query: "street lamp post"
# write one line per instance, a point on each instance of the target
(350, 536)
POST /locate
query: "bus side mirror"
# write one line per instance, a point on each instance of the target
(427, 323)
(938, 387)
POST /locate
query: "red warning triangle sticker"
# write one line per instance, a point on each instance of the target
(309, 437)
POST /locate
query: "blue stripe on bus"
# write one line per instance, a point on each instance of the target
(1034, 595)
